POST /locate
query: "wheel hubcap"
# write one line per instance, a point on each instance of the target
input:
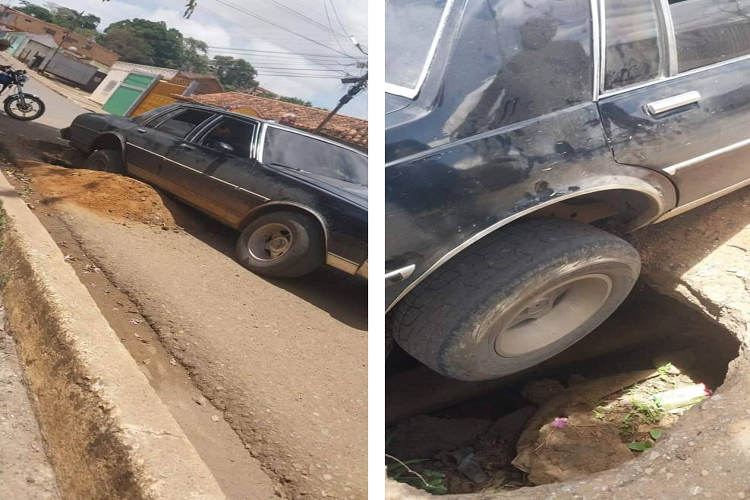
(270, 242)
(550, 315)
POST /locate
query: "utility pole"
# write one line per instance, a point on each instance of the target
(65, 35)
(359, 84)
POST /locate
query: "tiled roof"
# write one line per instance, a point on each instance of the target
(344, 129)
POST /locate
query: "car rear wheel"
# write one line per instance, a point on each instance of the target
(106, 160)
(516, 298)
(282, 245)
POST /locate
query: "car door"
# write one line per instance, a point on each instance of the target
(676, 93)
(148, 144)
(215, 171)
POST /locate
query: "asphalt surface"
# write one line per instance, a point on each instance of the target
(286, 361)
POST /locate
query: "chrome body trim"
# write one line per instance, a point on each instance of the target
(399, 274)
(701, 201)
(481, 234)
(667, 28)
(596, 48)
(700, 159)
(680, 75)
(674, 102)
(199, 172)
(362, 271)
(341, 263)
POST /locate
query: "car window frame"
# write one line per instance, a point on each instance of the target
(266, 126)
(198, 133)
(184, 110)
(412, 93)
(668, 45)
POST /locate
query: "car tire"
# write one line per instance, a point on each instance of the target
(106, 160)
(282, 245)
(516, 298)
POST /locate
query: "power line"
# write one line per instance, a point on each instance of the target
(325, 7)
(313, 21)
(301, 76)
(278, 52)
(252, 14)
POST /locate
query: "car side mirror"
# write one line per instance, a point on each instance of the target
(224, 147)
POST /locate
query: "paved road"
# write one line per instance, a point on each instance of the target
(286, 361)
(60, 110)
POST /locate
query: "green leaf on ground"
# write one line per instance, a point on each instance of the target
(655, 434)
(637, 446)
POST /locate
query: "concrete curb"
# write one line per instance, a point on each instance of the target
(107, 433)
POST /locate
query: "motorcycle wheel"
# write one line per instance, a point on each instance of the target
(31, 109)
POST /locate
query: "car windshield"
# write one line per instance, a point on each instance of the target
(412, 29)
(307, 154)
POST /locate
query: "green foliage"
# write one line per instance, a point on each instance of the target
(295, 100)
(642, 412)
(165, 45)
(84, 24)
(234, 74)
(640, 445)
(655, 434)
(194, 56)
(35, 10)
(431, 481)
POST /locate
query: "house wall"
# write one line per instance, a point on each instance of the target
(30, 49)
(16, 40)
(117, 74)
(85, 47)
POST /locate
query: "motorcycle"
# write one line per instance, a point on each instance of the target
(19, 105)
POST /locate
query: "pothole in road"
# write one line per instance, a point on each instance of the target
(615, 395)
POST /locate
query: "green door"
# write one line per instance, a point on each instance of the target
(129, 91)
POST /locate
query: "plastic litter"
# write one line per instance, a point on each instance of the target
(685, 396)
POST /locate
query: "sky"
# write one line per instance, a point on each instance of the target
(311, 66)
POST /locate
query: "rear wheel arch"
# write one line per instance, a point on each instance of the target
(108, 141)
(639, 196)
(284, 207)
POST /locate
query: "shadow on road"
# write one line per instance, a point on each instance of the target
(344, 297)
(340, 295)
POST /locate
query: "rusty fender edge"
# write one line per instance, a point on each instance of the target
(107, 433)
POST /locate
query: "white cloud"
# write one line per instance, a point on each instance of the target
(222, 26)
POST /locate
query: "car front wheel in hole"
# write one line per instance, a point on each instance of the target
(282, 245)
(106, 160)
(515, 298)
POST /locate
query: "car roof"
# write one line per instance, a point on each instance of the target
(274, 124)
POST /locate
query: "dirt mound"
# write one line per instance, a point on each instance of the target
(111, 195)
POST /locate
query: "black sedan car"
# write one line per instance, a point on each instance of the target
(522, 136)
(299, 200)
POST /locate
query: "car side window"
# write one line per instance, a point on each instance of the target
(632, 43)
(148, 115)
(237, 134)
(710, 31)
(184, 122)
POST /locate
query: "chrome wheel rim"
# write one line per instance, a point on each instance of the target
(548, 316)
(270, 242)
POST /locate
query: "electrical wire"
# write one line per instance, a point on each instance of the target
(313, 21)
(252, 14)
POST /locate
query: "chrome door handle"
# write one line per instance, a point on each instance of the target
(141, 130)
(189, 147)
(674, 102)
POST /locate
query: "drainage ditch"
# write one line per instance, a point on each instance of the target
(594, 407)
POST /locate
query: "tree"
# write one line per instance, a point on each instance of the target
(166, 44)
(129, 46)
(234, 74)
(296, 100)
(36, 11)
(195, 56)
(71, 19)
